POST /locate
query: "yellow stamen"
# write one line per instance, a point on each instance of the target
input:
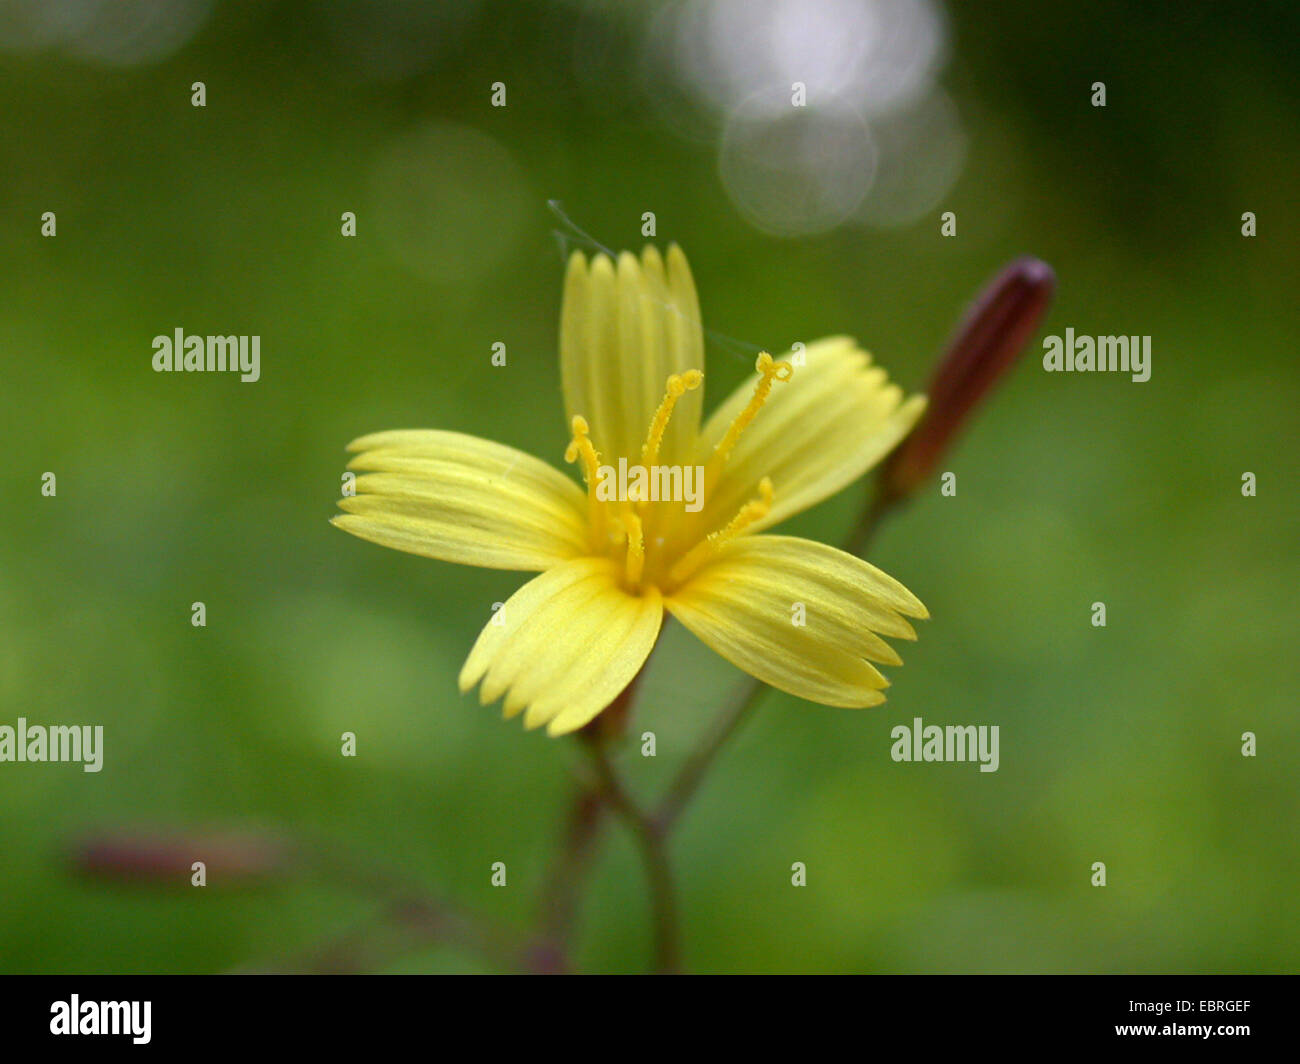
(635, 548)
(581, 449)
(580, 445)
(748, 514)
(678, 385)
(771, 371)
(706, 548)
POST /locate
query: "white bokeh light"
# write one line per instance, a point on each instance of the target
(797, 171)
(119, 33)
(922, 148)
(867, 137)
(871, 55)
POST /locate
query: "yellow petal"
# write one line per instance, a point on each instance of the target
(745, 604)
(624, 329)
(833, 420)
(564, 645)
(462, 499)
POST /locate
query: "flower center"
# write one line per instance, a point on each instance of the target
(636, 527)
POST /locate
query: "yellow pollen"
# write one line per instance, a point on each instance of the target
(707, 547)
(580, 445)
(771, 371)
(635, 548)
(580, 449)
(678, 385)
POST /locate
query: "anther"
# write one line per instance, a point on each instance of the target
(770, 371)
(678, 385)
(580, 445)
(581, 449)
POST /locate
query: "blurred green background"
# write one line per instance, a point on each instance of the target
(1119, 744)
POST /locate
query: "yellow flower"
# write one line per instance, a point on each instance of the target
(796, 614)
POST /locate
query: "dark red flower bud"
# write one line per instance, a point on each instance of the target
(168, 858)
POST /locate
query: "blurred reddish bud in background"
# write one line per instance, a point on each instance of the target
(167, 857)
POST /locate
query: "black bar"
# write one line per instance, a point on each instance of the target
(446, 1014)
